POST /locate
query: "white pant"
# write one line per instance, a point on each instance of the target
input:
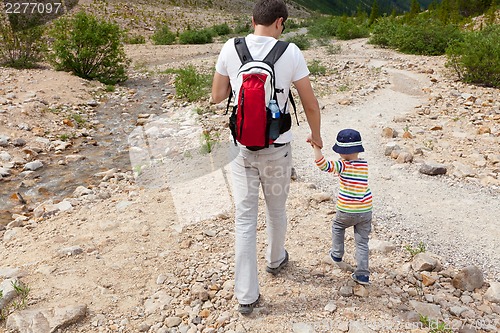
(271, 168)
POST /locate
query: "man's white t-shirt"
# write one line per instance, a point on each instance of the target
(290, 67)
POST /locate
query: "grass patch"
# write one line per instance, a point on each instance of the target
(416, 250)
(19, 302)
(189, 84)
(435, 326)
(208, 141)
(316, 68)
(303, 42)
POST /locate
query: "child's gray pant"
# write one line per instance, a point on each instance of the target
(362, 223)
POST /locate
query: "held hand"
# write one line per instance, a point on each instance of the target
(315, 141)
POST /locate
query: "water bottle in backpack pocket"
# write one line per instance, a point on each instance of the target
(274, 118)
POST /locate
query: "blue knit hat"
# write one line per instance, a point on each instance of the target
(348, 142)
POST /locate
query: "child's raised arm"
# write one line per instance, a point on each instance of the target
(318, 155)
(321, 162)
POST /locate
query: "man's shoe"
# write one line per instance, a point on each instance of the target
(246, 309)
(361, 279)
(276, 270)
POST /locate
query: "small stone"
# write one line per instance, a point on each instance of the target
(346, 291)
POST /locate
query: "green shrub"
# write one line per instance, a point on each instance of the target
(323, 27)
(89, 47)
(21, 46)
(243, 27)
(334, 49)
(316, 68)
(302, 41)
(421, 247)
(135, 39)
(349, 29)
(190, 84)
(163, 36)
(476, 59)
(426, 37)
(384, 32)
(221, 29)
(292, 24)
(203, 36)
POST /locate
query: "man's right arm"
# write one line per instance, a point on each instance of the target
(220, 88)
(311, 108)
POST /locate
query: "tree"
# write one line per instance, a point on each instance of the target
(414, 8)
(374, 13)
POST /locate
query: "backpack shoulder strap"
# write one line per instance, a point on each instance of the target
(242, 50)
(276, 52)
(245, 56)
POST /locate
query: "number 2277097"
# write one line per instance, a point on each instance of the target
(32, 7)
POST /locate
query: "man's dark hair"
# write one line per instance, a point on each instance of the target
(266, 12)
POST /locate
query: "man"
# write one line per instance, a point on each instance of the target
(269, 167)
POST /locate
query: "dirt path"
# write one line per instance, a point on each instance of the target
(138, 271)
(458, 222)
(453, 220)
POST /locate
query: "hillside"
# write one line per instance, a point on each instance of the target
(350, 7)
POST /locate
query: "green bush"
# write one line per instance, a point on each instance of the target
(476, 59)
(349, 29)
(203, 36)
(333, 49)
(429, 37)
(21, 46)
(291, 24)
(323, 27)
(302, 41)
(163, 36)
(221, 29)
(190, 84)
(243, 27)
(316, 68)
(135, 39)
(384, 32)
(423, 36)
(90, 48)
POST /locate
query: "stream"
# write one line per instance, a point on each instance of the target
(117, 119)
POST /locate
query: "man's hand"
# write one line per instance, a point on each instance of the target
(314, 141)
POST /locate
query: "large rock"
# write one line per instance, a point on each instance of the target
(432, 168)
(469, 278)
(380, 246)
(33, 166)
(45, 320)
(431, 311)
(424, 262)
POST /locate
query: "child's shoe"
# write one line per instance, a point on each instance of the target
(361, 279)
(341, 264)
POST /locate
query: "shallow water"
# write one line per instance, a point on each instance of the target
(117, 120)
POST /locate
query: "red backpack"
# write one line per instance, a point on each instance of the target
(251, 118)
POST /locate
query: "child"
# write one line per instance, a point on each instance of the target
(354, 200)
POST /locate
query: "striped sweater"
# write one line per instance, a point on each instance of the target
(354, 194)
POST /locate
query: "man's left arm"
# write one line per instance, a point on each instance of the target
(311, 108)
